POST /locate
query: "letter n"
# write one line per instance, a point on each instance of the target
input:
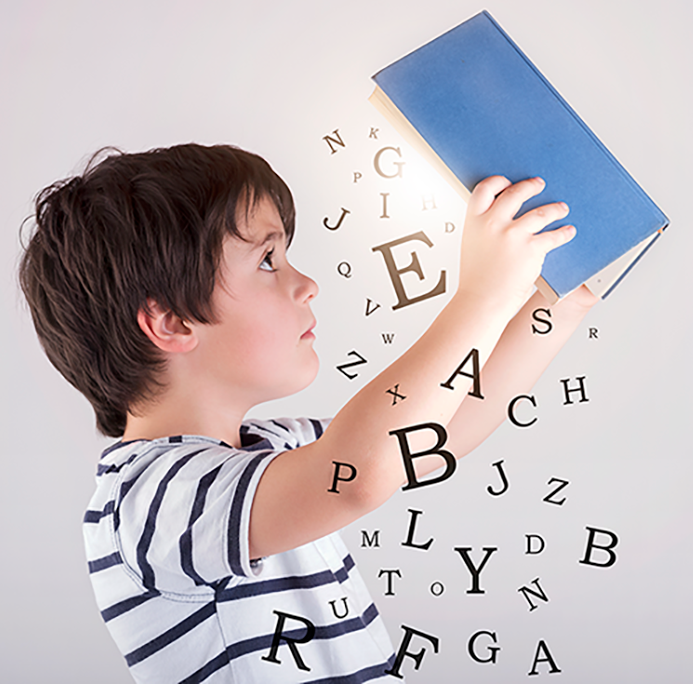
(337, 140)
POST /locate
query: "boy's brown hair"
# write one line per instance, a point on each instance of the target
(133, 227)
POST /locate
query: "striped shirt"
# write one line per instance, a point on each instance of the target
(166, 536)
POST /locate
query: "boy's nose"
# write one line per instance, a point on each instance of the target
(307, 288)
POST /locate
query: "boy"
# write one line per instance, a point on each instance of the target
(159, 286)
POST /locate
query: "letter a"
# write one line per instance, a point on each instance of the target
(543, 648)
(474, 375)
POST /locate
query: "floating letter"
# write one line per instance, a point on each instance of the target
(511, 410)
(336, 478)
(389, 574)
(339, 222)
(428, 200)
(412, 529)
(373, 540)
(543, 648)
(493, 650)
(439, 588)
(580, 388)
(475, 571)
(291, 641)
(337, 140)
(414, 265)
(408, 457)
(399, 165)
(395, 394)
(545, 321)
(475, 374)
(608, 548)
(539, 593)
(360, 361)
(334, 608)
(384, 195)
(549, 497)
(344, 269)
(416, 657)
(531, 551)
(369, 311)
(504, 480)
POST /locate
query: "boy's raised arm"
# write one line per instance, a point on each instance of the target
(517, 362)
(501, 258)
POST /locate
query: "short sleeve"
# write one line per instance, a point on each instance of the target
(182, 513)
(182, 519)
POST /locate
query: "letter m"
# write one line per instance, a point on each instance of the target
(373, 540)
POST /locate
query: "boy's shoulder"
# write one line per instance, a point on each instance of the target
(261, 439)
(276, 434)
(293, 432)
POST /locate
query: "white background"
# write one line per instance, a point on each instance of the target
(275, 77)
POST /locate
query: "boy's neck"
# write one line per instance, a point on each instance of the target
(172, 415)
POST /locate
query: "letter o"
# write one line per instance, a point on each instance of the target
(436, 592)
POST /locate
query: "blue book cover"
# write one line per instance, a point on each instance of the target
(476, 106)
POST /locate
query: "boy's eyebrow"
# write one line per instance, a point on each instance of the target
(270, 237)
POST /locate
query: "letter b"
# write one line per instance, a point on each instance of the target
(450, 461)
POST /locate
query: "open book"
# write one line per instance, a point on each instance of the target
(473, 104)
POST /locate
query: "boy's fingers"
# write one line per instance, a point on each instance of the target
(485, 193)
(555, 238)
(510, 201)
(539, 218)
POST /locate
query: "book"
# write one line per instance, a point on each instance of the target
(473, 104)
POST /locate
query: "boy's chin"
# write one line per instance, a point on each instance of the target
(301, 383)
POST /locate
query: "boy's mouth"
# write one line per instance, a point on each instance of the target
(309, 334)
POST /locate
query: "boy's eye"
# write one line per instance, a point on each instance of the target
(267, 264)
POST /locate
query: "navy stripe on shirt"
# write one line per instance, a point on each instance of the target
(259, 643)
(291, 583)
(365, 675)
(170, 635)
(105, 562)
(207, 669)
(104, 469)
(128, 604)
(145, 541)
(317, 428)
(234, 550)
(186, 542)
(95, 516)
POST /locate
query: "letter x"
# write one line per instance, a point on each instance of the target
(395, 395)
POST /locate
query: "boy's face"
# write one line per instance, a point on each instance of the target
(262, 346)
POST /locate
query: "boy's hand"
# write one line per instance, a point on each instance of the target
(502, 256)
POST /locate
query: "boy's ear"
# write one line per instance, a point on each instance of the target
(168, 332)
